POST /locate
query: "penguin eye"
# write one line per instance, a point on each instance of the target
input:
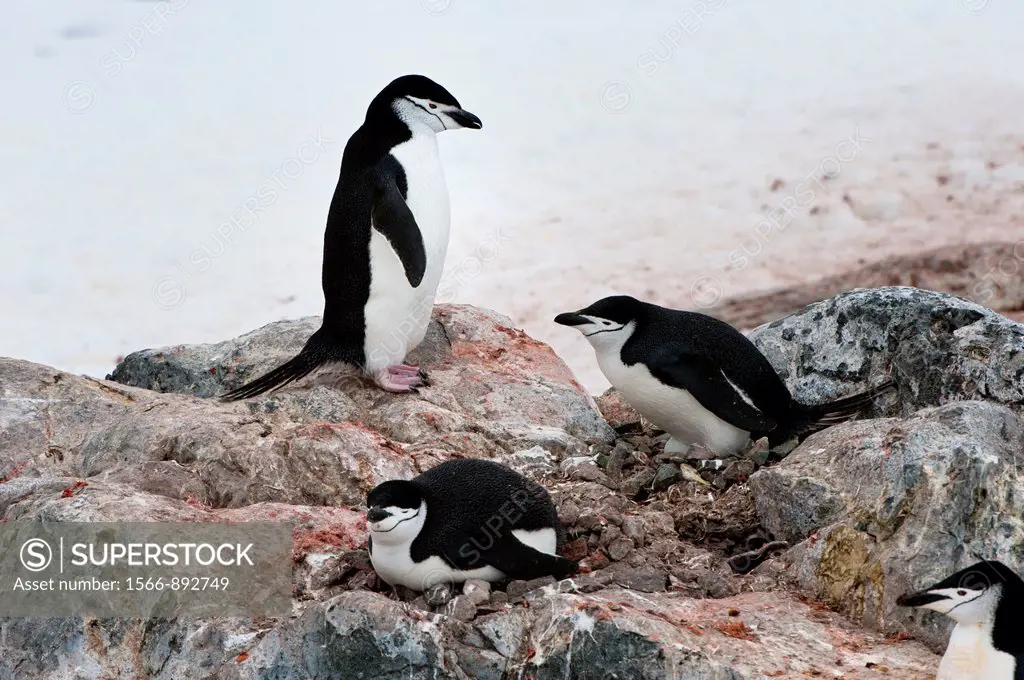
(961, 593)
(432, 105)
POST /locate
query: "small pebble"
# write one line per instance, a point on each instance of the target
(645, 580)
(541, 582)
(665, 476)
(515, 590)
(619, 548)
(609, 534)
(633, 527)
(611, 515)
(477, 591)
(588, 519)
(568, 513)
(461, 608)
(637, 483)
(438, 595)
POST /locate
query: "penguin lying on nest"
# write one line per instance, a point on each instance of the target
(700, 379)
(987, 602)
(464, 519)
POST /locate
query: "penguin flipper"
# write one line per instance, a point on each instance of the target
(520, 561)
(392, 217)
(710, 386)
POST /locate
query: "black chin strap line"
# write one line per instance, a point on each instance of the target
(421, 106)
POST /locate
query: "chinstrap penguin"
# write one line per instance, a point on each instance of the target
(464, 519)
(987, 602)
(698, 378)
(385, 242)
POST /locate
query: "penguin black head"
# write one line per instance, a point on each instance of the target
(396, 511)
(970, 596)
(419, 100)
(607, 319)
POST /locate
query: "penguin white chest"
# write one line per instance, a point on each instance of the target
(397, 313)
(672, 409)
(970, 656)
(393, 562)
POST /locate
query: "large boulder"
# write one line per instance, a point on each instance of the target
(938, 348)
(492, 386)
(880, 507)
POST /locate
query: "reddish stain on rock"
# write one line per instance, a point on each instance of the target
(330, 538)
(736, 629)
(74, 489)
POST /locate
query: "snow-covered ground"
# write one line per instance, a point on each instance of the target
(632, 149)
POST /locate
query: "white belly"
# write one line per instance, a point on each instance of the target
(970, 656)
(672, 409)
(394, 564)
(396, 313)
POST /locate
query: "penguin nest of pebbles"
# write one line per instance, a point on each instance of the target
(634, 516)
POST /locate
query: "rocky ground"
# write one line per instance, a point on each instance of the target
(765, 566)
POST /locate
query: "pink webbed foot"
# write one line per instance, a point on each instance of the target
(407, 370)
(401, 378)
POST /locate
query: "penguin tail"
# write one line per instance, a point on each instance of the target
(826, 415)
(314, 354)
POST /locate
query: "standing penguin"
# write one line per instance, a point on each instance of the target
(698, 378)
(385, 243)
(987, 602)
(464, 519)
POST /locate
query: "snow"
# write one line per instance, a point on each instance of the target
(623, 150)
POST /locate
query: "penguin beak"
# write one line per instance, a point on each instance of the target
(376, 514)
(465, 119)
(919, 599)
(571, 319)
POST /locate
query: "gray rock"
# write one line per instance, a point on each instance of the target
(568, 513)
(609, 534)
(535, 463)
(640, 481)
(588, 519)
(467, 352)
(739, 471)
(645, 580)
(586, 470)
(633, 528)
(938, 348)
(620, 456)
(898, 504)
(462, 608)
(516, 589)
(619, 548)
(537, 583)
(665, 476)
(621, 634)
(438, 595)
(611, 513)
(477, 591)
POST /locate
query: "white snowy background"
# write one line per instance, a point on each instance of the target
(626, 148)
